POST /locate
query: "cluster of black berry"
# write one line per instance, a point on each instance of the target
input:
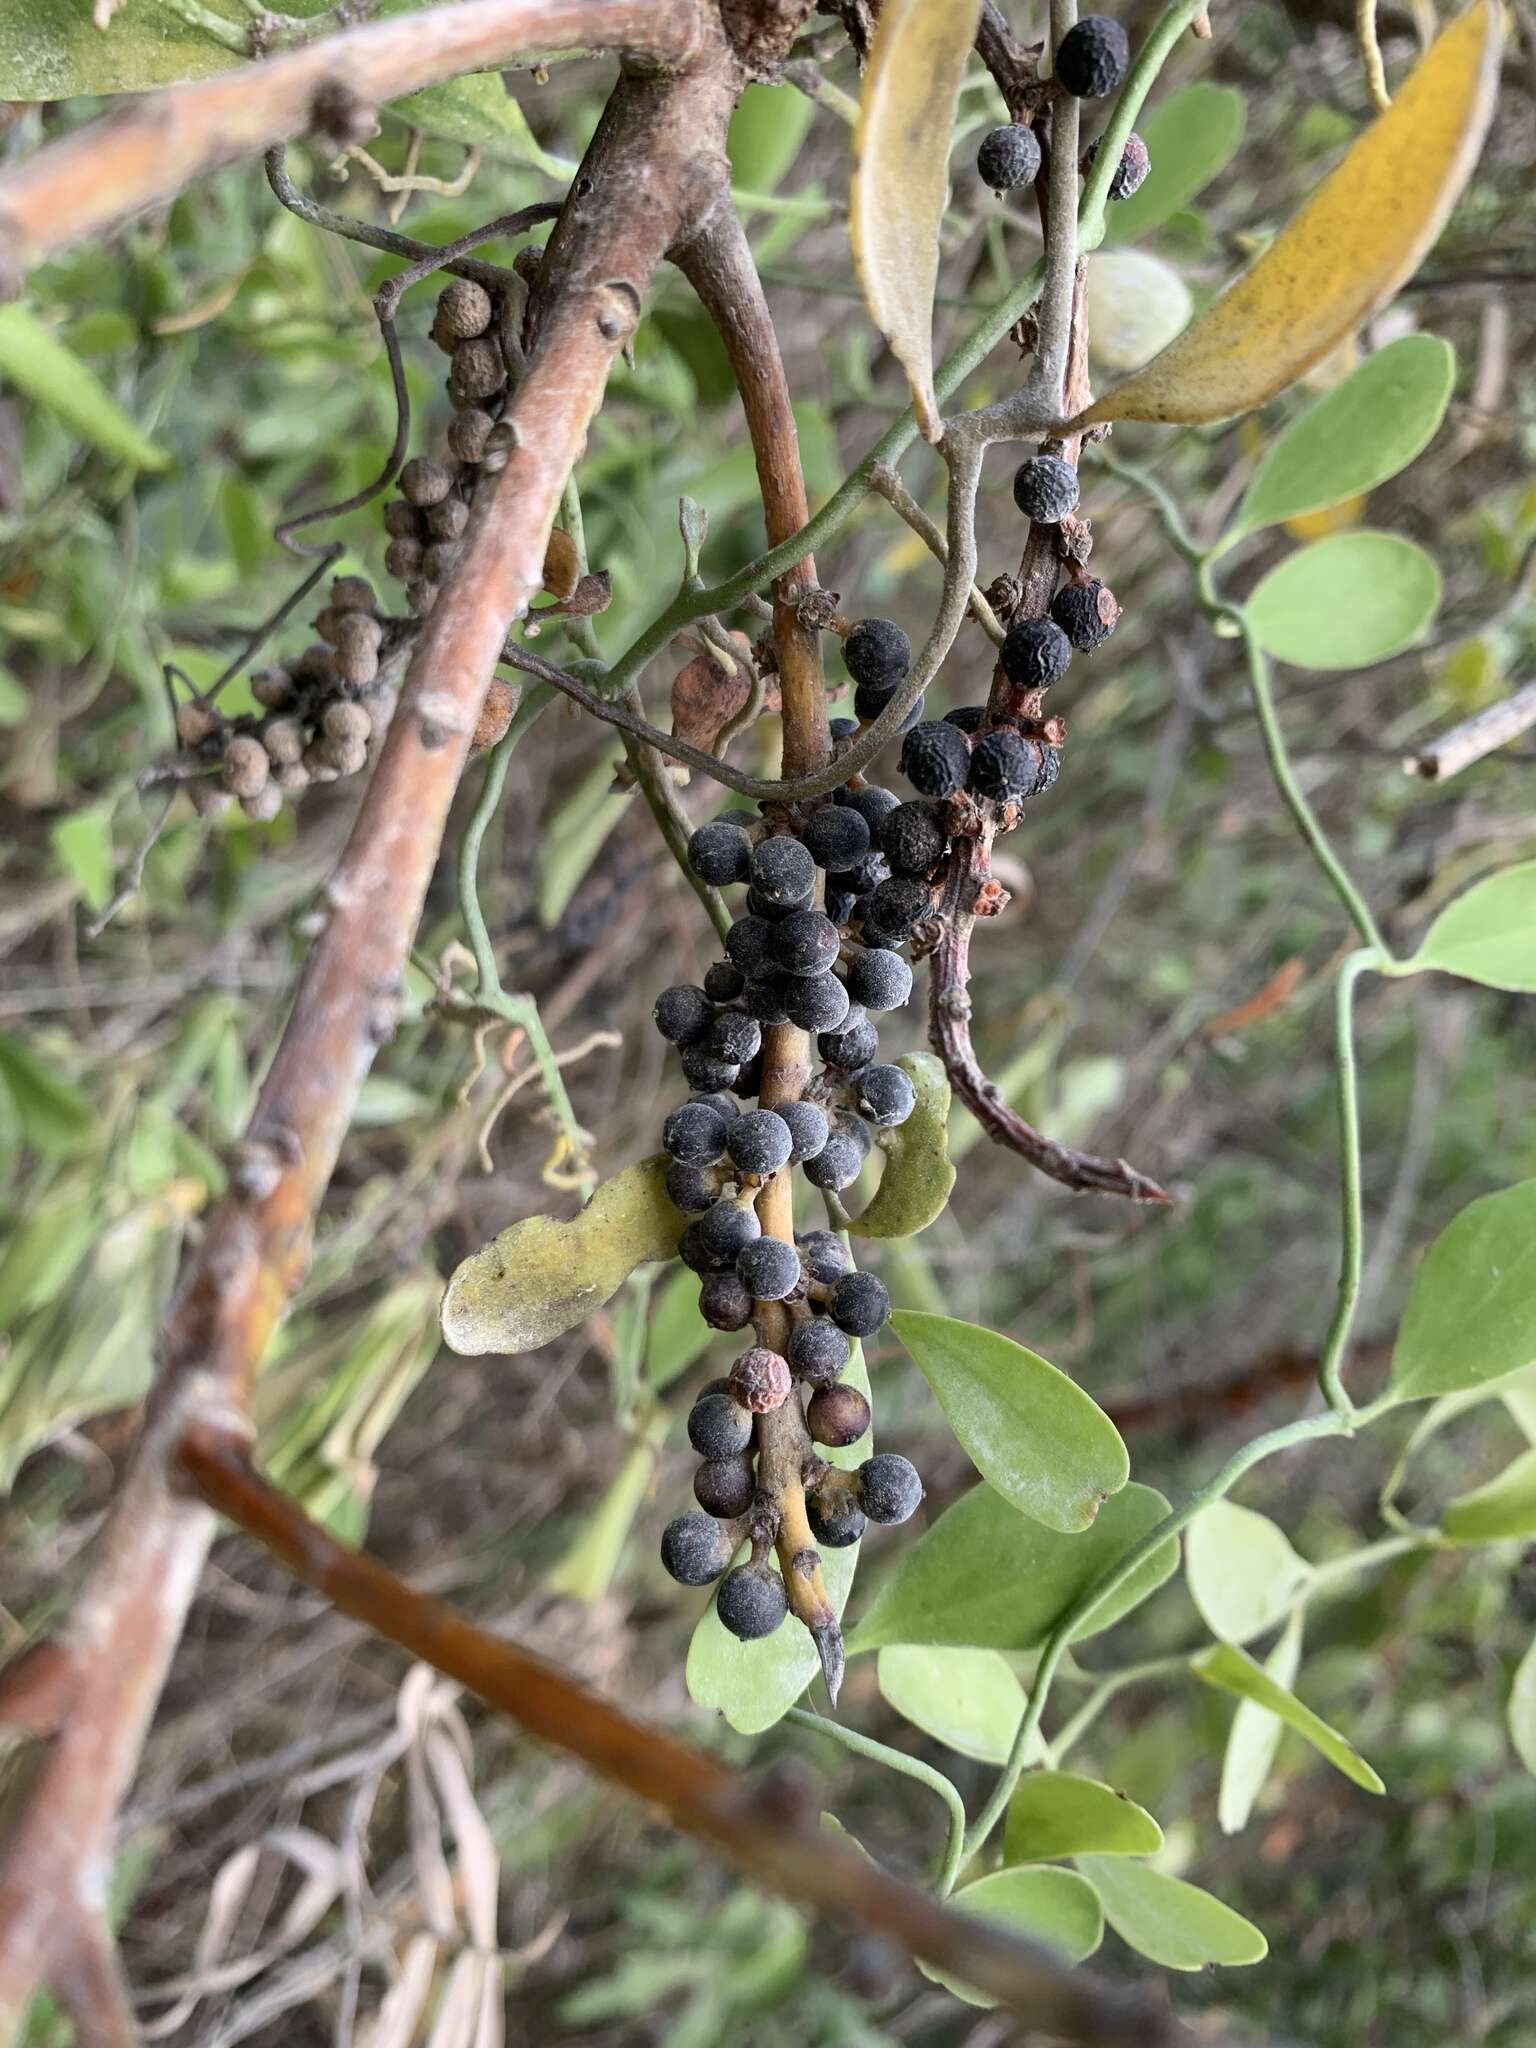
(828, 971)
(426, 522)
(321, 714)
(1090, 64)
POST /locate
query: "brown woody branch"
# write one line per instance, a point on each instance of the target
(150, 149)
(118, 1641)
(771, 1830)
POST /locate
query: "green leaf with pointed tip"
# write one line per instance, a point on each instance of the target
(1230, 1669)
(766, 131)
(1522, 1710)
(1031, 1432)
(1489, 934)
(984, 1576)
(1346, 601)
(916, 1182)
(1055, 1813)
(1055, 1907)
(54, 1115)
(755, 1684)
(1354, 437)
(540, 1277)
(1471, 1314)
(1191, 137)
(1504, 1507)
(1255, 1735)
(1243, 1574)
(1168, 1921)
(478, 111)
(970, 1700)
(34, 361)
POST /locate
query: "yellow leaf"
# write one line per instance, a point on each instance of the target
(1330, 519)
(1355, 241)
(562, 565)
(900, 176)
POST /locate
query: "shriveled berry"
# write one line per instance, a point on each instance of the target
(728, 1227)
(723, 1302)
(246, 767)
(967, 718)
(718, 1427)
(751, 1602)
(463, 308)
(889, 1487)
(934, 758)
(805, 943)
(470, 431)
(1130, 172)
(870, 872)
(912, 837)
(695, 1549)
(1035, 653)
(197, 721)
(1093, 57)
(683, 1014)
(759, 1143)
(859, 1304)
(725, 1486)
(1005, 766)
(1008, 157)
(836, 1165)
(836, 836)
(1045, 489)
(817, 1351)
(894, 909)
(879, 979)
(807, 1130)
(878, 652)
(885, 1095)
(816, 1002)
(853, 1045)
(760, 1380)
(782, 871)
(401, 520)
(770, 1269)
(824, 1255)
(720, 853)
(272, 688)
(402, 558)
(835, 1517)
(448, 520)
(694, 1255)
(478, 369)
(836, 1416)
(1086, 612)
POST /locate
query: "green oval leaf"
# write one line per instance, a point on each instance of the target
(917, 1178)
(1488, 934)
(1191, 137)
(1255, 1736)
(35, 361)
(1168, 1921)
(755, 1684)
(1346, 601)
(1054, 1813)
(1031, 1432)
(1056, 1907)
(1471, 1314)
(984, 1576)
(1522, 1710)
(1230, 1669)
(1243, 1574)
(1137, 303)
(1353, 437)
(480, 112)
(540, 1277)
(1504, 1507)
(970, 1700)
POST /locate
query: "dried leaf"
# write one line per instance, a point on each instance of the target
(495, 713)
(562, 565)
(900, 177)
(541, 1278)
(705, 698)
(1349, 249)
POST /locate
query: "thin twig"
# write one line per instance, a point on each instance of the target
(1370, 54)
(885, 483)
(1475, 738)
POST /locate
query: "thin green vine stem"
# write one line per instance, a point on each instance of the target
(1149, 61)
(910, 1767)
(1352, 1250)
(1093, 1597)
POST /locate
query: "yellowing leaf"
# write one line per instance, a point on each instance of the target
(1342, 518)
(1355, 241)
(541, 1278)
(900, 176)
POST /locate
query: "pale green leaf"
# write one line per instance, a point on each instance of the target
(1353, 437)
(35, 362)
(1243, 1574)
(1255, 1735)
(480, 112)
(917, 1177)
(83, 842)
(1471, 1314)
(1191, 137)
(986, 1576)
(678, 1334)
(1031, 1432)
(1168, 1921)
(540, 1278)
(766, 132)
(755, 1684)
(1137, 303)
(1055, 1813)
(1488, 934)
(1345, 602)
(1233, 1670)
(1522, 1710)
(1055, 1907)
(1502, 1508)
(970, 1700)
(14, 699)
(55, 1116)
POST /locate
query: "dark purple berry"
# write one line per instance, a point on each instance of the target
(805, 943)
(1045, 489)
(1009, 157)
(751, 1602)
(782, 871)
(934, 758)
(759, 1142)
(682, 1015)
(719, 1427)
(877, 978)
(817, 1351)
(1086, 612)
(770, 1269)
(1093, 57)
(836, 836)
(912, 837)
(695, 1549)
(720, 853)
(807, 1130)
(836, 1416)
(835, 1517)
(877, 651)
(859, 1304)
(725, 1487)
(885, 1095)
(824, 1255)
(889, 1488)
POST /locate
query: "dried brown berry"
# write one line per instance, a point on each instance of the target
(495, 713)
(283, 739)
(402, 559)
(422, 595)
(448, 520)
(264, 806)
(463, 308)
(402, 521)
(478, 369)
(195, 721)
(760, 1380)
(347, 724)
(292, 777)
(246, 766)
(353, 594)
(315, 664)
(272, 688)
(440, 560)
(469, 433)
(425, 482)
